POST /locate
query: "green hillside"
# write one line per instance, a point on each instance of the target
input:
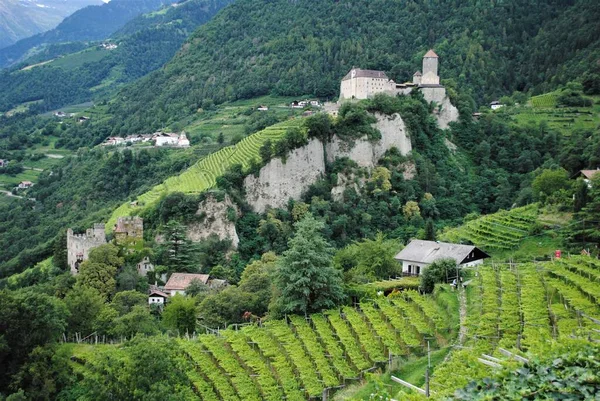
(203, 175)
(321, 41)
(528, 309)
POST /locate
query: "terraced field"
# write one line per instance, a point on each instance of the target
(203, 175)
(525, 308)
(502, 230)
(300, 358)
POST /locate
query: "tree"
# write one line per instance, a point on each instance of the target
(28, 319)
(180, 314)
(437, 272)
(196, 287)
(429, 230)
(550, 186)
(124, 302)
(266, 151)
(411, 210)
(84, 305)
(139, 320)
(370, 259)
(305, 279)
(98, 272)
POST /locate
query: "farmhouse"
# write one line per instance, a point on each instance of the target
(588, 175)
(495, 105)
(178, 282)
(171, 139)
(114, 141)
(156, 296)
(418, 254)
(25, 185)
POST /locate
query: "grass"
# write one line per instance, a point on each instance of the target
(8, 182)
(78, 59)
(563, 119)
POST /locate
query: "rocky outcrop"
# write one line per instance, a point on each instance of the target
(277, 181)
(445, 112)
(345, 181)
(214, 217)
(367, 153)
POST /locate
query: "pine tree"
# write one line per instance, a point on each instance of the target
(306, 279)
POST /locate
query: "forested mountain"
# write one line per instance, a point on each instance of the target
(291, 48)
(144, 44)
(23, 18)
(90, 23)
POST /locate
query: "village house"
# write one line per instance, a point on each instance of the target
(60, 114)
(263, 108)
(25, 185)
(418, 254)
(178, 282)
(144, 266)
(171, 139)
(588, 175)
(83, 119)
(495, 105)
(156, 296)
(114, 141)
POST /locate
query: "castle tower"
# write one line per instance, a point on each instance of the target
(430, 69)
(129, 230)
(417, 76)
(79, 245)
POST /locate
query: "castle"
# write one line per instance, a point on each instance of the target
(363, 84)
(129, 230)
(79, 245)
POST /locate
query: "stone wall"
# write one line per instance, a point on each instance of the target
(214, 221)
(445, 112)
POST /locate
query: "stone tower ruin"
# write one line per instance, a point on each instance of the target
(129, 230)
(79, 245)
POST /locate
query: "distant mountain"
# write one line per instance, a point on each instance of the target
(90, 23)
(20, 19)
(74, 72)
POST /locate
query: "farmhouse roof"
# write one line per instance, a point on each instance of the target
(157, 292)
(589, 173)
(360, 73)
(430, 251)
(180, 281)
(430, 54)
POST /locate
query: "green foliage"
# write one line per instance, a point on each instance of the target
(180, 314)
(99, 271)
(84, 304)
(369, 260)
(437, 272)
(28, 319)
(305, 278)
(551, 187)
(572, 372)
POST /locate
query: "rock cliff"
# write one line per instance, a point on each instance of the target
(277, 181)
(366, 153)
(214, 219)
(445, 112)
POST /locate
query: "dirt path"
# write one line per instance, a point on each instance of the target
(462, 298)
(8, 193)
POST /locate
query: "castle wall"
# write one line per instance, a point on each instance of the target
(79, 245)
(364, 88)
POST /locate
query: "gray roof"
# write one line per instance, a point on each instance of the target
(359, 73)
(430, 251)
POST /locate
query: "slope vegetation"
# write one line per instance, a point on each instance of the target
(291, 48)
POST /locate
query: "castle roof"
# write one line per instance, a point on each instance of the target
(417, 74)
(430, 54)
(180, 281)
(360, 73)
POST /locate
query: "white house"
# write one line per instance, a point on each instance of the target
(145, 266)
(25, 185)
(165, 139)
(156, 296)
(495, 105)
(178, 282)
(183, 142)
(418, 254)
(114, 141)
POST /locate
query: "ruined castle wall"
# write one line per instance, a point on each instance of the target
(79, 245)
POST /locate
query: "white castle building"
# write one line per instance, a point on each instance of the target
(361, 84)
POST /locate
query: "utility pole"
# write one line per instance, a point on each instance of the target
(427, 382)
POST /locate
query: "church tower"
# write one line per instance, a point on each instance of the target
(430, 69)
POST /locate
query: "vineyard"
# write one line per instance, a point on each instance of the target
(301, 358)
(547, 100)
(502, 230)
(203, 175)
(523, 308)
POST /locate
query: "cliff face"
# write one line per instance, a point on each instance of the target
(215, 221)
(277, 182)
(445, 112)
